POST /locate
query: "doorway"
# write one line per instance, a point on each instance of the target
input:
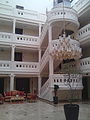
(86, 88)
(1, 85)
(23, 84)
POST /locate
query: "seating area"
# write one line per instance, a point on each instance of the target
(14, 96)
(18, 96)
(31, 97)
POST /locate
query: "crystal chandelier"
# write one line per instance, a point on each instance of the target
(65, 47)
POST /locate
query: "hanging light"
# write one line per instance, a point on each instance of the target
(65, 47)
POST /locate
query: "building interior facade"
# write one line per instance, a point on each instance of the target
(28, 40)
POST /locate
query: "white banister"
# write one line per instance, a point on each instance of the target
(44, 58)
(19, 66)
(44, 87)
(61, 81)
(83, 33)
(19, 39)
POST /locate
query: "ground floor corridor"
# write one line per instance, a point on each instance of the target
(39, 111)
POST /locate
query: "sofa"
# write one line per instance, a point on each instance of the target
(14, 96)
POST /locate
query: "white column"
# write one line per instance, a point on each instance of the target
(40, 26)
(39, 85)
(39, 55)
(50, 33)
(14, 24)
(12, 52)
(12, 82)
(50, 58)
(50, 66)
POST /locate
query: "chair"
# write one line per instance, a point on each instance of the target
(31, 97)
(1, 99)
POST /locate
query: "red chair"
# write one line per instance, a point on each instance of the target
(1, 99)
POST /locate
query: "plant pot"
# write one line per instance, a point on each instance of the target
(55, 100)
(71, 111)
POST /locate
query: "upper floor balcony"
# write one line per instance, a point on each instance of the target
(10, 38)
(18, 67)
(81, 5)
(70, 15)
(83, 66)
(83, 34)
(21, 14)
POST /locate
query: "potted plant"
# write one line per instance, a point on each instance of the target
(55, 98)
(71, 109)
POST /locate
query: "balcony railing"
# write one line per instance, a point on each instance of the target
(84, 34)
(19, 39)
(85, 65)
(61, 81)
(44, 58)
(30, 67)
(26, 14)
(80, 5)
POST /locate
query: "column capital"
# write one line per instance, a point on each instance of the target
(12, 75)
(13, 46)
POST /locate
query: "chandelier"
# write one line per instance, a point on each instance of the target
(65, 47)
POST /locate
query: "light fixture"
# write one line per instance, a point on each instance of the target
(65, 47)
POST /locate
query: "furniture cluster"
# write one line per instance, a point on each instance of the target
(18, 96)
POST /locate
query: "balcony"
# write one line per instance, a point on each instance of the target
(81, 5)
(61, 81)
(25, 14)
(70, 15)
(83, 34)
(26, 67)
(19, 39)
(44, 59)
(85, 65)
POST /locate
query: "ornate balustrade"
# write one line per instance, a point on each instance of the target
(19, 39)
(44, 58)
(44, 87)
(26, 14)
(80, 5)
(44, 30)
(61, 80)
(5, 65)
(19, 66)
(6, 37)
(85, 65)
(83, 34)
(26, 39)
(57, 15)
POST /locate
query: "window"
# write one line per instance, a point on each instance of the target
(18, 31)
(18, 56)
(20, 7)
(59, 1)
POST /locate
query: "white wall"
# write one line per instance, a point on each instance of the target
(5, 28)
(6, 84)
(5, 55)
(32, 32)
(29, 56)
(86, 51)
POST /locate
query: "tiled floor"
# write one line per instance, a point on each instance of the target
(39, 111)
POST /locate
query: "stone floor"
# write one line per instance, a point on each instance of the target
(39, 111)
